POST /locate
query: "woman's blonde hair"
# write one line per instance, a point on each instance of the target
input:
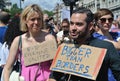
(27, 13)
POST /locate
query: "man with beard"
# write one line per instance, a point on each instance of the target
(81, 29)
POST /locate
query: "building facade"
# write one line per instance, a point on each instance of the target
(8, 4)
(5, 4)
(94, 5)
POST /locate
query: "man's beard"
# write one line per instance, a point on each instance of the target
(81, 35)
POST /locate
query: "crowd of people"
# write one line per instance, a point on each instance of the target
(34, 27)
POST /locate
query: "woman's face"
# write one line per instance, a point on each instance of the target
(105, 22)
(34, 22)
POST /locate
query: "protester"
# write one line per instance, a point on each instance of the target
(50, 25)
(4, 19)
(63, 34)
(81, 28)
(45, 17)
(47, 26)
(104, 19)
(31, 23)
(12, 31)
(115, 26)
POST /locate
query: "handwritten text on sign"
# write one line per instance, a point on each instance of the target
(39, 53)
(84, 61)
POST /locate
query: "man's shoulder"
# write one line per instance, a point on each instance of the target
(2, 28)
(100, 43)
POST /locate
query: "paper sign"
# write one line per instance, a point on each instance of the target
(39, 53)
(84, 61)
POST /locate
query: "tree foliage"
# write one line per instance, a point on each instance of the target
(14, 10)
(50, 13)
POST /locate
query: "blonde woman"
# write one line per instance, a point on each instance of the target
(31, 23)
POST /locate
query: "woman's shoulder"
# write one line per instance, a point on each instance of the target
(17, 38)
(46, 34)
(49, 36)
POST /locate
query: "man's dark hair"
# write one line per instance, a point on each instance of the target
(13, 30)
(4, 17)
(65, 20)
(90, 15)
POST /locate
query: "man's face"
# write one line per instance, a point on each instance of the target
(78, 26)
(65, 26)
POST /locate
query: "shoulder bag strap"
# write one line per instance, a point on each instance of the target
(36, 72)
(20, 52)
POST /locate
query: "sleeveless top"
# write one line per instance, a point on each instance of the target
(29, 72)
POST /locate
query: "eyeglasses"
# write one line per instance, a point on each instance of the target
(103, 20)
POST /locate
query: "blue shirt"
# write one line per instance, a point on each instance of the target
(115, 36)
(2, 33)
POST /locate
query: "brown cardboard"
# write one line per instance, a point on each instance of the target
(39, 53)
(84, 61)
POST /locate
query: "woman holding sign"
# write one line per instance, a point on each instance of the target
(31, 23)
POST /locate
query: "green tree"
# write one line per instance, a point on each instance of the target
(50, 13)
(14, 10)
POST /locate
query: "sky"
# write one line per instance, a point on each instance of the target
(44, 4)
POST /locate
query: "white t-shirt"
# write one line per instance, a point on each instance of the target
(60, 35)
(0, 45)
(4, 51)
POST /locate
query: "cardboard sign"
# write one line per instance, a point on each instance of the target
(39, 53)
(84, 61)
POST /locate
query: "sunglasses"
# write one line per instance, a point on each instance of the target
(103, 20)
